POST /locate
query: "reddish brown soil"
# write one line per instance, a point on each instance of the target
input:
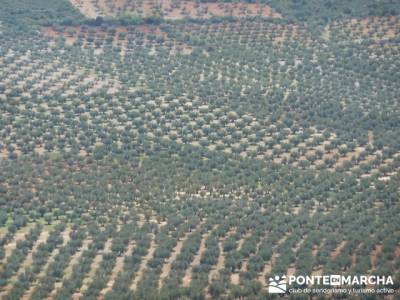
(173, 10)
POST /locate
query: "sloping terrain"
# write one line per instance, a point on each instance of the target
(172, 10)
(191, 150)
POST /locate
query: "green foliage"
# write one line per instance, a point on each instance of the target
(29, 14)
(269, 143)
(314, 10)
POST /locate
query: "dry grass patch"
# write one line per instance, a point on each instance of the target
(268, 266)
(317, 272)
(166, 269)
(86, 7)
(235, 277)
(66, 237)
(214, 272)
(119, 267)
(143, 265)
(10, 247)
(26, 263)
(94, 266)
(196, 260)
(75, 258)
(220, 262)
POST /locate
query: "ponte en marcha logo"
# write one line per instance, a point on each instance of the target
(330, 284)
